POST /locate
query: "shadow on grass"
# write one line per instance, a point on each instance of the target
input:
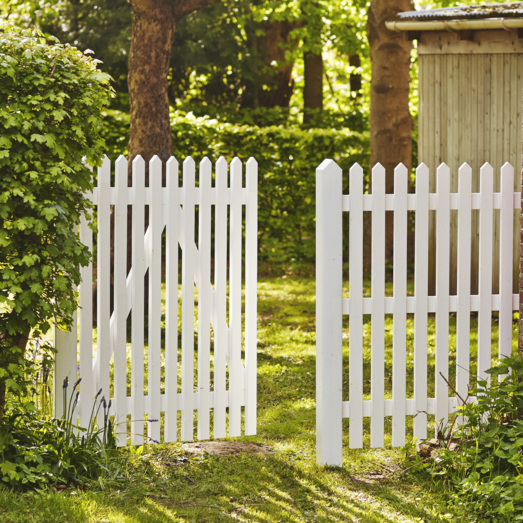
(259, 489)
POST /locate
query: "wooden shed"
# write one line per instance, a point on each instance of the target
(470, 98)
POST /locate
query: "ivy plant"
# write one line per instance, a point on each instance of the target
(51, 98)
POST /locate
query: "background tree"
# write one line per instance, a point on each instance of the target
(390, 119)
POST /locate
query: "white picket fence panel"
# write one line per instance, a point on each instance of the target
(171, 208)
(331, 305)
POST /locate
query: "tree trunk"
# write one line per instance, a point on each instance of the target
(313, 83)
(151, 44)
(278, 83)
(390, 120)
(355, 78)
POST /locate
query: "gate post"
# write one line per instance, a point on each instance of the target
(329, 242)
(65, 364)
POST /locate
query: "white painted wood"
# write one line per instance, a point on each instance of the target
(221, 335)
(86, 328)
(137, 300)
(171, 301)
(155, 298)
(421, 242)
(442, 292)
(251, 279)
(65, 365)
(377, 425)
(464, 242)
(103, 271)
(485, 271)
(329, 314)
(399, 329)
(188, 262)
(120, 301)
(204, 299)
(505, 264)
(356, 307)
(236, 381)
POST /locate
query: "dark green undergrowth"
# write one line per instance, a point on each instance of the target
(482, 460)
(164, 483)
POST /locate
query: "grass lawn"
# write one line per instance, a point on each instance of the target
(164, 483)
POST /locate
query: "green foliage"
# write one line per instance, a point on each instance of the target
(485, 469)
(287, 160)
(51, 97)
(41, 451)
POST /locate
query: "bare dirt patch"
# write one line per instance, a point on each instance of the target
(226, 448)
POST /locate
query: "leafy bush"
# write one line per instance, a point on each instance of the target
(51, 97)
(287, 159)
(41, 451)
(483, 459)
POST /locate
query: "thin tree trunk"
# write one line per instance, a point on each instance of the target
(278, 83)
(390, 120)
(355, 78)
(313, 83)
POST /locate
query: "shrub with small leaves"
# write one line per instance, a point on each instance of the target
(51, 98)
(482, 460)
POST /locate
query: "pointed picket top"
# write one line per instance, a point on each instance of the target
(189, 169)
(138, 171)
(205, 172)
(422, 177)
(443, 178)
(486, 177)
(326, 165)
(121, 171)
(401, 178)
(251, 169)
(221, 172)
(236, 173)
(465, 176)
(507, 171)
(172, 167)
(155, 171)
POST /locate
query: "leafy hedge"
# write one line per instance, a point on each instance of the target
(287, 159)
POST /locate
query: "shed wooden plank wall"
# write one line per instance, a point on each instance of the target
(470, 111)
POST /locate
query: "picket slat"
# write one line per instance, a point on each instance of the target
(138, 291)
(204, 300)
(442, 292)
(505, 260)
(103, 288)
(485, 270)
(221, 332)
(154, 337)
(86, 328)
(188, 262)
(399, 329)
(236, 370)
(251, 278)
(120, 301)
(356, 308)
(378, 308)
(171, 301)
(463, 280)
(421, 282)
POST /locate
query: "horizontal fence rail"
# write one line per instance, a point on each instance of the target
(331, 305)
(166, 370)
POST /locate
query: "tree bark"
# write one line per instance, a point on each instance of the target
(313, 83)
(390, 120)
(154, 25)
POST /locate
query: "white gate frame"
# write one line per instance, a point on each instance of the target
(172, 208)
(331, 306)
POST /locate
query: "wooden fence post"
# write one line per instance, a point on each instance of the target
(329, 237)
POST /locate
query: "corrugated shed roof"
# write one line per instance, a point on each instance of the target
(506, 10)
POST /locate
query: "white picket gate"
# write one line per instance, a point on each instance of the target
(171, 209)
(331, 305)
